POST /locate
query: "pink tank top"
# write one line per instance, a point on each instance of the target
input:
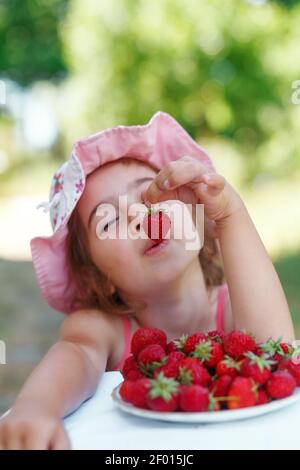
(223, 289)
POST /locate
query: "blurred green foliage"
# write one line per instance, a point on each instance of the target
(220, 69)
(30, 45)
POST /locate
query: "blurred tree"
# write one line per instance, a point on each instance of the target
(220, 69)
(287, 3)
(30, 45)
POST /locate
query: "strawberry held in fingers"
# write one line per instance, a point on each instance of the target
(156, 224)
(191, 181)
(257, 367)
(209, 352)
(145, 336)
(237, 343)
(163, 394)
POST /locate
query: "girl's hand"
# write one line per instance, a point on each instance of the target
(190, 181)
(32, 429)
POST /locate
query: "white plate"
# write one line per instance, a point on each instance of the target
(205, 416)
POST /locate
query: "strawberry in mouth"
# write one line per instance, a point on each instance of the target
(156, 224)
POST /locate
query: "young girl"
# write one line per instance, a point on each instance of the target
(110, 287)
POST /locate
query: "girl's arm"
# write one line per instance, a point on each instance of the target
(67, 375)
(257, 298)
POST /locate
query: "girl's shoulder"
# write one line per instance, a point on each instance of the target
(100, 331)
(92, 328)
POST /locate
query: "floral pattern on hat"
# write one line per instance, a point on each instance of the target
(66, 188)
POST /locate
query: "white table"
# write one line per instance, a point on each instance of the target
(99, 424)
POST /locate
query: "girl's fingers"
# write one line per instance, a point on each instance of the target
(175, 174)
(36, 441)
(61, 440)
(215, 183)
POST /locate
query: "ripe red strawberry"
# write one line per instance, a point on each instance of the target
(236, 343)
(151, 353)
(192, 341)
(130, 369)
(156, 224)
(257, 367)
(145, 336)
(172, 347)
(171, 368)
(209, 352)
(177, 344)
(163, 394)
(139, 391)
(262, 397)
(193, 398)
(286, 348)
(281, 384)
(191, 371)
(242, 393)
(150, 358)
(276, 350)
(221, 385)
(126, 390)
(217, 335)
(228, 366)
(292, 367)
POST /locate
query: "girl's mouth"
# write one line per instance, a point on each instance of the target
(157, 247)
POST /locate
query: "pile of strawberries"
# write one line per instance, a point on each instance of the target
(207, 372)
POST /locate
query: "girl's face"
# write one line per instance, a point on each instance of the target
(122, 259)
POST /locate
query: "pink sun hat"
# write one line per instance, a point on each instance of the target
(158, 142)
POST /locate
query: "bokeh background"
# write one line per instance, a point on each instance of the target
(228, 71)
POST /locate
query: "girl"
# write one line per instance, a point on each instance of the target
(110, 287)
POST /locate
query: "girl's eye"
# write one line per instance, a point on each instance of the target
(105, 228)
